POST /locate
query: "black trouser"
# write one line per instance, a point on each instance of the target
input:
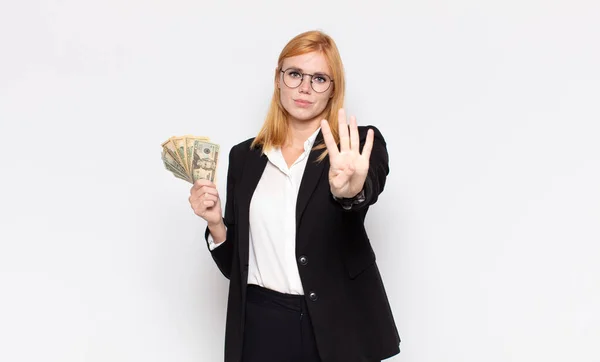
(278, 328)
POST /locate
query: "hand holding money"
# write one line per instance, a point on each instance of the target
(206, 203)
(191, 158)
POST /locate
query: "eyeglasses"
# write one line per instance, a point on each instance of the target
(319, 82)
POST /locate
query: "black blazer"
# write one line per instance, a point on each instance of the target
(346, 299)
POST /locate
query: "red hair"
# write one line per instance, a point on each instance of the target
(274, 131)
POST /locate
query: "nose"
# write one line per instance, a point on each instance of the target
(305, 85)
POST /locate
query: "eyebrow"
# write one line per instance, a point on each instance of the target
(302, 70)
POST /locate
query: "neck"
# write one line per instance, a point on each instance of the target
(300, 131)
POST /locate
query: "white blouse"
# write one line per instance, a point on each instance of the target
(272, 263)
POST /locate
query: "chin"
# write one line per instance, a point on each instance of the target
(304, 115)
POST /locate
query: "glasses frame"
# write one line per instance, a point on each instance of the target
(302, 79)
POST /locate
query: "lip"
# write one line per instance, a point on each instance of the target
(302, 102)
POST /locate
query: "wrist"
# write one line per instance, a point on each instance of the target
(216, 225)
(218, 231)
(348, 202)
(348, 195)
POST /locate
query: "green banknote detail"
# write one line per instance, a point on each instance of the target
(205, 157)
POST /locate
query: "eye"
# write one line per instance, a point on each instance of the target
(294, 74)
(319, 78)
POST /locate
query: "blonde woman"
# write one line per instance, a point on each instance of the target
(303, 282)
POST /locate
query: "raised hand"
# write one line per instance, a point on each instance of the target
(348, 167)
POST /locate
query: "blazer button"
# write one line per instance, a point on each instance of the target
(313, 296)
(303, 260)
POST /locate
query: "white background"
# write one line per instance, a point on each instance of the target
(488, 231)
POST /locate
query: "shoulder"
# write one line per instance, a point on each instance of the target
(243, 146)
(362, 133)
(241, 149)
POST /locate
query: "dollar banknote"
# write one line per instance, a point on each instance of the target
(172, 165)
(204, 160)
(191, 158)
(179, 144)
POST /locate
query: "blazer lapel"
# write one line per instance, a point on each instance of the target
(310, 179)
(253, 170)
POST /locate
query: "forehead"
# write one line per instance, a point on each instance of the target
(314, 62)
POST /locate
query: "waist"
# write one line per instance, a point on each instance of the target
(261, 295)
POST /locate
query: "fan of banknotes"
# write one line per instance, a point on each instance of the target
(191, 158)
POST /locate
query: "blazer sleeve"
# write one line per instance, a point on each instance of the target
(223, 254)
(378, 169)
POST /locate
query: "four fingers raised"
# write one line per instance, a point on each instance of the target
(349, 137)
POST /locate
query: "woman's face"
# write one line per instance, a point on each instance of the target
(303, 103)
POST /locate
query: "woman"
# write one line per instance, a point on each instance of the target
(304, 285)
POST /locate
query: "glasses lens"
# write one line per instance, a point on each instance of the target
(292, 78)
(320, 82)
